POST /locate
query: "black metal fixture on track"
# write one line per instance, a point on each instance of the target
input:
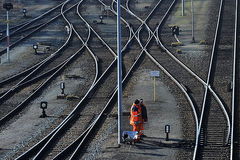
(167, 131)
(43, 106)
(24, 12)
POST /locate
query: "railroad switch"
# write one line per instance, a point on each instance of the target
(43, 106)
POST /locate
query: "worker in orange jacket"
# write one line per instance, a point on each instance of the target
(136, 116)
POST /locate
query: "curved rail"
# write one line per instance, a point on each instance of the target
(38, 28)
(23, 25)
(83, 137)
(218, 100)
(13, 89)
(233, 134)
(208, 84)
(165, 71)
(71, 115)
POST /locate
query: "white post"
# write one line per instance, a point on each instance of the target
(8, 39)
(182, 7)
(192, 7)
(154, 89)
(119, 66)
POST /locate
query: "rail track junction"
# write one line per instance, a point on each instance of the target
(74, 70)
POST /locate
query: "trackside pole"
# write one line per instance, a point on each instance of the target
(154, 89)
(119, 66)
(154, 74)
(8, 38)
(182, 7)
(192, 8)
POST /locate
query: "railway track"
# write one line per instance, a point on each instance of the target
(41, 154)
(235, 147)
(222, 110)
(214, 122)
(142, 37)
(17, 85)
(30, 28)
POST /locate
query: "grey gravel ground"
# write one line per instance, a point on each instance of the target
(165, 110)
(154, 146)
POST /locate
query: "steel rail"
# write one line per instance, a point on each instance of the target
(36, 69)
(179, 62)
(208, 86)
(70, 116)
(21, 105)
(99, 37)
(143, 22)
(39, 145)
(13, 89)
(129, 27)
(233, 134)
(153, 58)
(13, 78)
(163, 19)
(85, 44)
(70, 147)
(165, 71)
(217, 98)
(22, 26)
(74, 156)
(40, 64)
(83, 136)
(14, 27)
(40, 27)
(153, 34)
(196, 117)
(200, 80)
(39, 154)
(67, 120)
(16, 76)
(88, 132)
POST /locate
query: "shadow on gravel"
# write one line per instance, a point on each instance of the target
(159, 143)
(127, 155)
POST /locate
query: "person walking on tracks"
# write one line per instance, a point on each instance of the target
(136, 116)
(144, 116)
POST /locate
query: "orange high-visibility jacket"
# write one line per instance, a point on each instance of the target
(136, 115)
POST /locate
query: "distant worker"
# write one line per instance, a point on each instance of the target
(144, 116)
(136, 116)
